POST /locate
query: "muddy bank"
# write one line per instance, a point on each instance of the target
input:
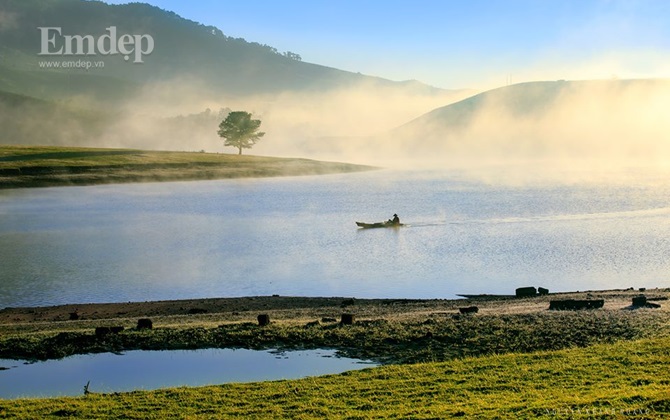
(223, 307)
(296, 307)
(384, 330)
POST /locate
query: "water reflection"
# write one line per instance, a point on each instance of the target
(146, 370)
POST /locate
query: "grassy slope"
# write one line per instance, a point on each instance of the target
(35, 166)
(602, 381)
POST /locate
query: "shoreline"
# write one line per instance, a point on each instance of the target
(52, 166)
(382, 330)
(224, 306)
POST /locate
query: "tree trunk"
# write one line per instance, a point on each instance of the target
(240, 150)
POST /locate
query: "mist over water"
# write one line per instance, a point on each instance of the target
(183, 114)
(543, 184)
(297, 236)
(606, 125)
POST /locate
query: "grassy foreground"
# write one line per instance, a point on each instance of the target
(43, 166)
(628, 379)
(513, 359)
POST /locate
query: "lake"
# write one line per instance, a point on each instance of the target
(297, 236)
(146, 370)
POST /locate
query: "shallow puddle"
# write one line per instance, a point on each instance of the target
(146, 370)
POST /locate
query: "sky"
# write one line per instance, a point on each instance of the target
(474, 44)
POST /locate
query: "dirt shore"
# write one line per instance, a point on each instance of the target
(299, 309)
(383, 330)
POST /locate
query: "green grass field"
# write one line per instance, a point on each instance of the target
(627, 379)
(606, 363)
(40, 166)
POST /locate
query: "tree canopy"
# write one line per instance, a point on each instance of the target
(240, 130)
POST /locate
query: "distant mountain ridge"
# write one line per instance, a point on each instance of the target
(183, 49)
(600, 122)
(174, 99)
(546, 119)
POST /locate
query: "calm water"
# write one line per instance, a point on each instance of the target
(148, 370)
(297, 236)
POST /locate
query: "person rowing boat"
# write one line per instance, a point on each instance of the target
(389, 223)
(394, 221)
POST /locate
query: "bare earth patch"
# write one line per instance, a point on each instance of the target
(298, 309)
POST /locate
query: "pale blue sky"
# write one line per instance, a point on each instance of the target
(455, 44)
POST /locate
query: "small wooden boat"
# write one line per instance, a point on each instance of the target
(388, 224)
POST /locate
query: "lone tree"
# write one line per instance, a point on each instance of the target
(240, 130)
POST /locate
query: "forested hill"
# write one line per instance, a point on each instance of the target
(174, 93)
(182, 49)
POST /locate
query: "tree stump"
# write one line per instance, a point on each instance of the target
(263, 320)
(195, 311)
(102, 331)
(639, 301)
(526, 292)
(144, 324)
(469, 310)
(347, 319)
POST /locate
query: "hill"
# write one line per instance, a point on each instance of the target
(181, 49)
(609, 121)
(188, 77)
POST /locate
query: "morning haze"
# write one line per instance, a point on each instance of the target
(126, 105)
(177, 97)
(472, 197)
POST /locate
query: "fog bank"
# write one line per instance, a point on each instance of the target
(603, 126)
